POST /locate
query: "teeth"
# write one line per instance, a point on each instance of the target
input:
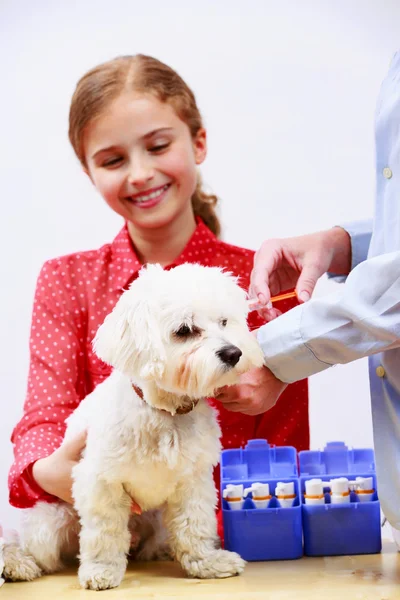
(156, 194)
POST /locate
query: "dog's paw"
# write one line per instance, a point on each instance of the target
(100, 576)
(19, 565)
(215, 565)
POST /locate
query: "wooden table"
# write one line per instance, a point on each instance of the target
(366, 577)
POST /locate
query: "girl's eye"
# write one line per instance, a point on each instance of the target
(158, 148)
(112, 162)
(224, 322)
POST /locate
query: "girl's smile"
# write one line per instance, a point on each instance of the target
(151, 197)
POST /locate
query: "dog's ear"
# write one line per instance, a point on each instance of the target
(130, 340)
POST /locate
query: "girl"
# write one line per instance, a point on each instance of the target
(138, 134)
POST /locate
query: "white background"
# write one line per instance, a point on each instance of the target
(287, 90)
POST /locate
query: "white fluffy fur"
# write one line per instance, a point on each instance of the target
(140, 448)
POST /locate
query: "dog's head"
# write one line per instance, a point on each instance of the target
(184, 329)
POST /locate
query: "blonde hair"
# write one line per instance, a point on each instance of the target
(103, 84)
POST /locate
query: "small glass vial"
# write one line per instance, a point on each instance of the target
(340, 492)
(260, 493)
(284, 492)
(314, 492)
(233, 494)
(364, 488)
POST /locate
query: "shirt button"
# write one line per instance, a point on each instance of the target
(380, 371)
(387, 173)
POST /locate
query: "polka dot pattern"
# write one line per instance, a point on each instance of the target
(74, 293)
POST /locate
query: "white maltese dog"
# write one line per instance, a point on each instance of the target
(173, 338)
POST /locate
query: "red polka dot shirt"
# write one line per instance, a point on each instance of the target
(74, 293)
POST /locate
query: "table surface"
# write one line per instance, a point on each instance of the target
(363, 577)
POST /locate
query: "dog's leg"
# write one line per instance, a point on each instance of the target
(48, 530)
(104, 511)
(191, 521)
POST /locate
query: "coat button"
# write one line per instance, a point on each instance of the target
(380, 371)
(387, 173)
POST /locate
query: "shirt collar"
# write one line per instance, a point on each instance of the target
(125, 263)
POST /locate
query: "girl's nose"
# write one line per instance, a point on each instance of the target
(140, 173)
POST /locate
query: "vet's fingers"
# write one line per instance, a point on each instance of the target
(249, 408)
(308, 280)
(72, 448)
(266, 261)
(135, 508)
(227, 396)
(269, 314)
(220, 392)
(237, 407)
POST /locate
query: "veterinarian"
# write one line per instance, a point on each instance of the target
(361, 319)
(141, 144)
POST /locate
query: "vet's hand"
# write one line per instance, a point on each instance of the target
(298, 262)
(54, 473)
(257, 392)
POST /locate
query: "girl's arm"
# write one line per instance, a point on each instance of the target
(56, 382)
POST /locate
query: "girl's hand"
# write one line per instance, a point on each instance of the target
(54, 473)
(297, 262)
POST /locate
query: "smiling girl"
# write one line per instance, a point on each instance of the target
(138, 134)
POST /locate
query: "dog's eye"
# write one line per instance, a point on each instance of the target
(224, 322)
(183, 331)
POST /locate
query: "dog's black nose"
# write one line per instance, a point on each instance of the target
(229, 355)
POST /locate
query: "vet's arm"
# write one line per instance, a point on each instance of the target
(361, 319)
(360, 233)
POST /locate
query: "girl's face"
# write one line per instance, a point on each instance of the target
(142, 159)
